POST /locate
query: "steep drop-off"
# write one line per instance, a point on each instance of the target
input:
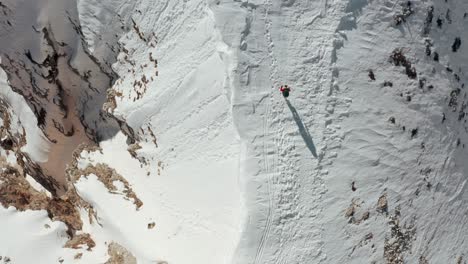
(48, 63)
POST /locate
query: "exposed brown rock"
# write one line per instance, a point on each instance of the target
(14, 141)
(107, 176)
(400, 239)
(153, 136)
(460, 260)
(81, 240)
(423, 260)
(65, 211)
(16, 191)
(352, 214)
(382, 204)
(132, 149)
(111, 102)
(119, 255)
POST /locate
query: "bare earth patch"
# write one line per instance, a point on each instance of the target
(17, 192)
(119, 255)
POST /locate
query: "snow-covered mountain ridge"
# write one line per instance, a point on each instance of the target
(154, 132)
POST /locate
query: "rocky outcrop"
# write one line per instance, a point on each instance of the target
(63, 83)
(119, 255)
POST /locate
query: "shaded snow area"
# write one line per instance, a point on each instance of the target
(154, 131)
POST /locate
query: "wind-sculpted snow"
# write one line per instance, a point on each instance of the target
(379, 124)
(154, 131)
(281, 43)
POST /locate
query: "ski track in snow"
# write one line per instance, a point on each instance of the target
(287, 211)
(266, 123)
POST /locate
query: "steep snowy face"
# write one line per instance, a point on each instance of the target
(281, 42)
(401, 168)
(365, 161)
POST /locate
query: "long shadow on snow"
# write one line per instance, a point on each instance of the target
(303, 130)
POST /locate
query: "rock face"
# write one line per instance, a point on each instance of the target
(119, 255)
(60, 80)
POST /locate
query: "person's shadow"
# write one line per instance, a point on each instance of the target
(303, 130)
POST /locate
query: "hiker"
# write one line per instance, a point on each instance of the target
(285, 90)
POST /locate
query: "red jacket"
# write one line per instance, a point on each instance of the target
(283, 89)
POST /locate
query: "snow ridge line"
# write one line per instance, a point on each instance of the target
(228, 55)
(269, 171)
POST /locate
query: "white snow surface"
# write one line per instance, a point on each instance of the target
(34, 231)
(231, 172)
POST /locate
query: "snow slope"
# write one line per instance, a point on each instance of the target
(337, 181)
(416, 163)
(193, 156)
(282, 156)
(188, 139)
